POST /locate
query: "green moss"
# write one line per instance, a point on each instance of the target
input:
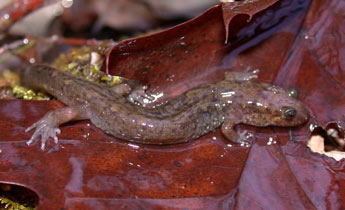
(6, 203)
(85, 61)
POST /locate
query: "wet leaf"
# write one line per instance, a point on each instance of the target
(295, 44)
(14, 10)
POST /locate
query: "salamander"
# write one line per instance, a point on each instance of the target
(235, 100)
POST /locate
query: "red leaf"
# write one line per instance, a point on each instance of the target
(294, 44)
(15, 10)
(250, 8)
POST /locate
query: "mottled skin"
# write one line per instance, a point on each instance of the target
(192, 114)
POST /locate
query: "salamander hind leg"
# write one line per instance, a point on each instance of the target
(135, 93)
(122, 89)
(248, 74)
(139, 95)
(231, 134)
(48, 126)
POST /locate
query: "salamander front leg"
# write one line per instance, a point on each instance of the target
(245, 75)
(48, 126)
(135, 93)
(234, 136)
(140, 96)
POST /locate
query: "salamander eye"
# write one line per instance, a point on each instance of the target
(293, 93)
(289, 113)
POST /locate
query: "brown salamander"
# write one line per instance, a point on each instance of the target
(188, 116)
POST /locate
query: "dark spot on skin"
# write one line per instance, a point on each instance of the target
(263, 95)
(214, 100)
(206, 115)
(195, 98)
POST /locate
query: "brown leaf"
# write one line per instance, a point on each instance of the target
(250, 8)
(295, 44)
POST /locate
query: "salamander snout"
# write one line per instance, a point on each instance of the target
(295, 115)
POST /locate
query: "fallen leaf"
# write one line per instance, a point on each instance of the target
(295, 44)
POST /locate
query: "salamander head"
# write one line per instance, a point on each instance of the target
(267, 105)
